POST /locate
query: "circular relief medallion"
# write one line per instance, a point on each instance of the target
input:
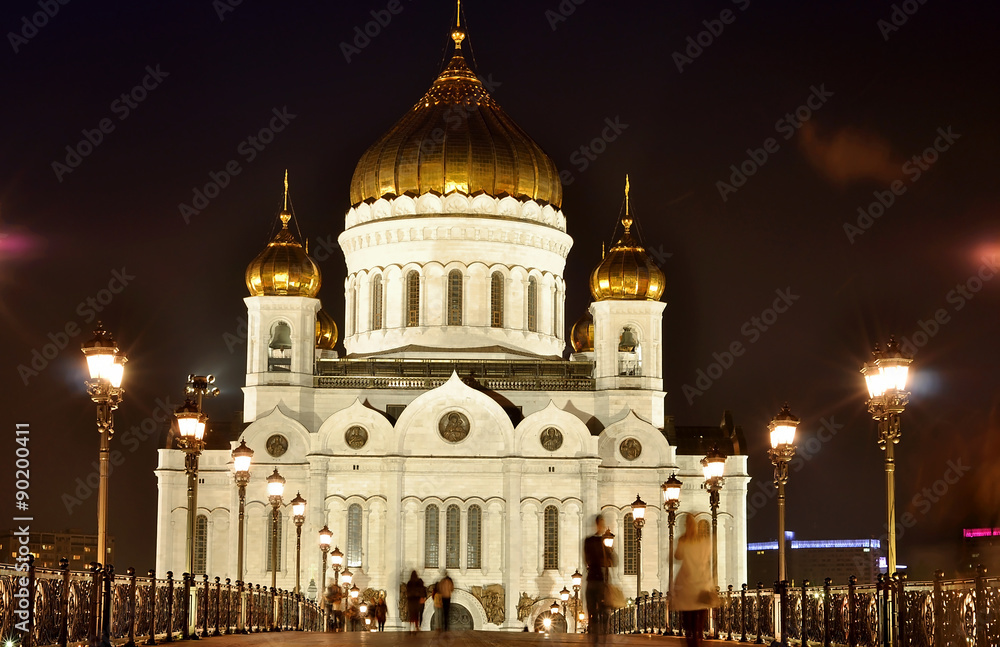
(453, 426)
(551, 439)
(630, 449)
(276, 445)
(356, 437)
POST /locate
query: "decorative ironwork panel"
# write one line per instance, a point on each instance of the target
(793, 623)
(80, 600)
(121, 611)
(47, 606)
(867, 618)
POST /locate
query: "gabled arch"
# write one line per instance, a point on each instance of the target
(330, 439)
(656, 451)
(273, 422)
(576, 438)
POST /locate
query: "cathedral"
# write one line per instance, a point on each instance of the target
(455, 433)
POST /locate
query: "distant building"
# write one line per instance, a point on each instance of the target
(980, 546)
(48, 547)
(815, 561)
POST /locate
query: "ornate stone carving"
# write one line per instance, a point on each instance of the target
(356, 437)
(492, 598)
(276, 445)
(551, 439)
(630, 449)
(524, 604)
(453, 426)
(403, 612)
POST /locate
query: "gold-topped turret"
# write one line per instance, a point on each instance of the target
(627, 271)
(284, 267)
(456, 139)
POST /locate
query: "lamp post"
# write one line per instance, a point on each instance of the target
(325, 539)
(337, 559)
(106, 367)
(782, 429)
(354, 593)
(191, 423)
(671, 489)
(577, 582)
(299, 517)
(714, 466)
(553, 614)
(564, 597)
(242, 457)
(275, 489)
(638, 521)
(885, 377)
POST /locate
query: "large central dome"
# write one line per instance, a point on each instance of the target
(456, 138)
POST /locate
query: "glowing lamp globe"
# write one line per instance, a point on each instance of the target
(242, 456)
(275, 484)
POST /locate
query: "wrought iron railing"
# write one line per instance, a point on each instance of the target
(98, 606)
(942, 613)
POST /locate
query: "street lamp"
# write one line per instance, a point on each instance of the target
(242, 457)
(275, 489)
(553, 614)
(638, 520)
(337, 559)
(106, 367)
(671, 489)
(299, 517)
(325, 539)
(191, 423)
(577, 582)
(564, 596)
(885, 377)
(714, 466)
(782, 450)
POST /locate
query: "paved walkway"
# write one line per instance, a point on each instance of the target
(450, 639)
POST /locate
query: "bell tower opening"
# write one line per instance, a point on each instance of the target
(629, 353)
(279, 358)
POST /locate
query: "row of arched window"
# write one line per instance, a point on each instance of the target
(453, 537)
(454, 306)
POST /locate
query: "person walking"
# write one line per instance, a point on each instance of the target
(694, 590)
(416, 593)
(598, 558)
(445, 587)
(381, 611)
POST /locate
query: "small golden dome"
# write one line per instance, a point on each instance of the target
(582, 334)
(627, 272)
(326, 331)
(283, 268)
(456, 138)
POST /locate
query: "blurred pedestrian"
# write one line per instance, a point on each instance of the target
(381, 611)
(445, 587)
(694, 590)
(416, 593)
(598, 558)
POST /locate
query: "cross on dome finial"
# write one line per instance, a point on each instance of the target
(627, 220)
(285, 215)
(458, 34)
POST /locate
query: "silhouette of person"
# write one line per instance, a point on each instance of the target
(445, 587)
(598, 558)
(693, 591)
(416, 593)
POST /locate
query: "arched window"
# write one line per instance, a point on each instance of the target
(412, 298)
(532, 304)
(474, 530)
(431, 516)
(629, 353)
(377, 302)
(455, 298)
(201, 544)
(496, 300)
(556, 324)
(279, 358)
(628, 545)
(452, 537)
(354, 308)
(550, 533)
(354, 535)
(273, 560)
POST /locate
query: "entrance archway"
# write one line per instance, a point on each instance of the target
(459, 618)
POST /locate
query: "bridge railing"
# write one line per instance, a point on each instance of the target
(942, 613)
(41, 607)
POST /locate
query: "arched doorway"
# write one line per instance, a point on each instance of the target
(459, 618)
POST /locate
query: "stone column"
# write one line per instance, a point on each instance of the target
(512, 469)
(315, 519)
(393, 537)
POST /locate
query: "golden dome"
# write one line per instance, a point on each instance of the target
(326, 331)
(283, 268)
(582, 334)
(456, 138)
(627, 272)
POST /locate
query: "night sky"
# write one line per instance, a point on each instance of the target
(847, 101)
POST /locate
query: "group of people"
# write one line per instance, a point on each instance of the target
(351, 618)
(416, 597)
(693, 591)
